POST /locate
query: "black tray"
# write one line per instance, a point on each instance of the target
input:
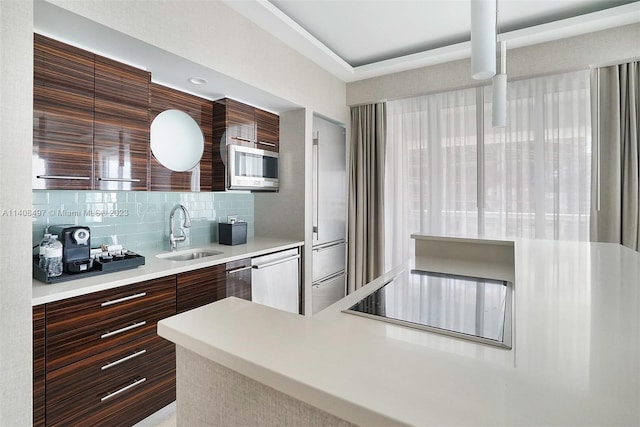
(97, 269)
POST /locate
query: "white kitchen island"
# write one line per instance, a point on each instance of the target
(575, 358)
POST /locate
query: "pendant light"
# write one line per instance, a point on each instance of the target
(483, 39)
(499, 101)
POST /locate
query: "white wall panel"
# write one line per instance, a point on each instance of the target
(16, 111)
(570, 54)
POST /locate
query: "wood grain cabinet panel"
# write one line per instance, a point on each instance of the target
(121, 126)
(240, 123)
(268, 130)
(219, 146)
(199, 178)
(39, 373)
(62, 116)
(199, 287)
(83, 326)
(91, 120)
(91, 383)
(105, 364)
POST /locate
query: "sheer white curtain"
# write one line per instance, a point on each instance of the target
(538, 168)
(536, 171)
(430, 169)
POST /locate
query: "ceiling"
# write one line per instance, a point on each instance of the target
(356, 39)
(351, 39)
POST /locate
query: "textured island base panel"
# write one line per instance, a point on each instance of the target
(208, 394)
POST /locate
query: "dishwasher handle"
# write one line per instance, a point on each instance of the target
(272, 263)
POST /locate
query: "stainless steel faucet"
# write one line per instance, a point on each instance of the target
(173, 240)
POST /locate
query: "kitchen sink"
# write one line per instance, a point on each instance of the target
(189, 255)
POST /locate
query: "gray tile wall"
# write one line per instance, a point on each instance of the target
(139, 219)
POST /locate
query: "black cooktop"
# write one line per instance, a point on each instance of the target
(473, 308)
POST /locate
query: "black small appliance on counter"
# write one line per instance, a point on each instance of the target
(232, 233)
(76, 247)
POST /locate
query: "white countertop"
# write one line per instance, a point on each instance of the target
(155, 267)
(575, 357)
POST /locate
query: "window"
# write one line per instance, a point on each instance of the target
(530, 179)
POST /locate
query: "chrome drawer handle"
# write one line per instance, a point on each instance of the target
(82, 178)
(116, 301)
(270, 144)
(329, 279)
(125, 329)
(124, 359)
(237, 270)
(120, 179)
(123, 389)
(331, 245)
(242, 139)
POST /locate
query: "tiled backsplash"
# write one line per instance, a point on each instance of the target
(140, 219)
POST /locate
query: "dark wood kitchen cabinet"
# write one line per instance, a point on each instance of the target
(90, 120)
(105, 364)
(237, 123)
(240, 123)
(201, 110)
(206, 285)
(267, 130)
(121, 126)
(199, 287)
(38, 366)
(63, 96)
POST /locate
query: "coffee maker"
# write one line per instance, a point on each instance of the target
(76, 247)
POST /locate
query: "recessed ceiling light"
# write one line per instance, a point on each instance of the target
(197, 80)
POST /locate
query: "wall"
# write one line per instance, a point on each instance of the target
(140, 219)
(206, 32)
(287, 214)
(16, 111)
(570, 54)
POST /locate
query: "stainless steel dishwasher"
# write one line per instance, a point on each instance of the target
(275, 280)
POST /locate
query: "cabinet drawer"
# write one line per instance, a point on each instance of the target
(83, 326)
(326, 292)
(122, 401)
(328, 260)
(82, 380)
(70, 314)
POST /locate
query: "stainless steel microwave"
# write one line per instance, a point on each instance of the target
(252, 169)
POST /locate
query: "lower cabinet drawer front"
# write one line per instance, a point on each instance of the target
(95, 375)
(83, 342)
(99, 309)
(123, 400)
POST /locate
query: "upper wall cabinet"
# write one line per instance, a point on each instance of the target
(267, 130)
(90, 121)
(240, 124)
(121, 126)
(62, 116)
(201, 110)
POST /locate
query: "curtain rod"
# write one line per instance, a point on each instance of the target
(612, 63)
